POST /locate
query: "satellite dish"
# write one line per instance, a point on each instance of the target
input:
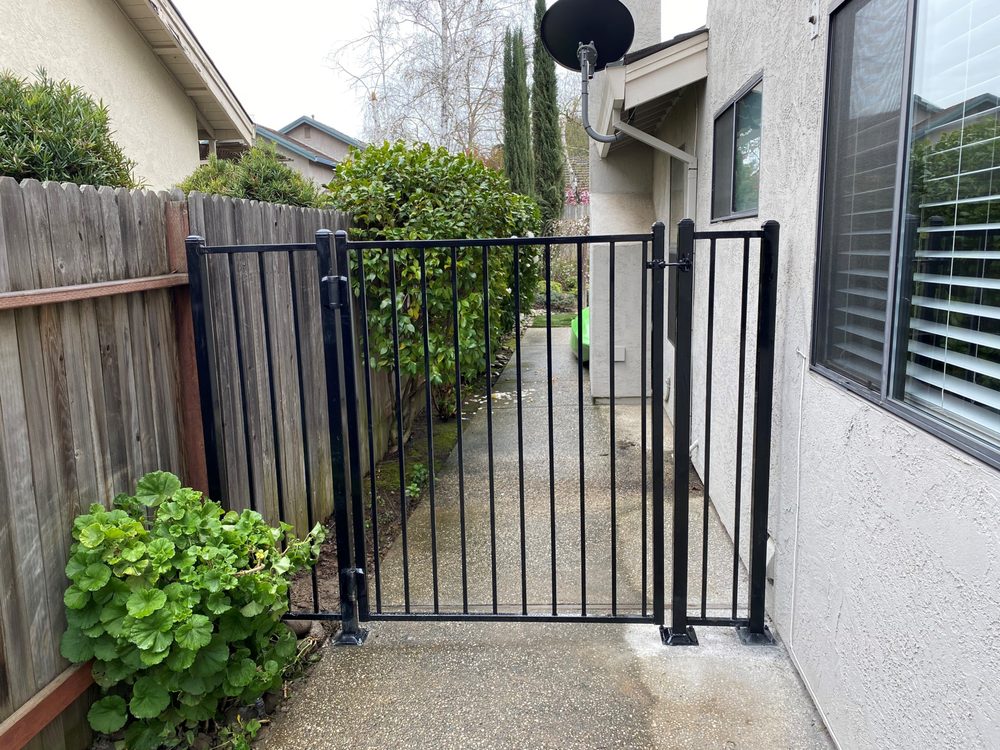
(606, 24)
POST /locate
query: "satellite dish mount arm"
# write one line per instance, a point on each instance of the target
(588, 58)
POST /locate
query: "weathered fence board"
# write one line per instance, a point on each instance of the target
(88, 403)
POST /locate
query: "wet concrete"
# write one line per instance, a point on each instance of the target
(539, 685)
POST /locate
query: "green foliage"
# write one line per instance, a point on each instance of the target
(259, 175)
(53, 130)
(547, 141)
(518, 159)
(179, 603)
(402, 192)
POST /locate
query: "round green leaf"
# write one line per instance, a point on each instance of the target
(241, 673)
(74, 598)
(92, 536)
(156, 487)
(94, 577)
(76, 646)
(145, 602)
(108, 714)
(149, 698)
(195, 633)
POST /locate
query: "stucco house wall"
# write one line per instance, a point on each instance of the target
(886, 580)
(92, 44)
(317, 139)
(318, 173)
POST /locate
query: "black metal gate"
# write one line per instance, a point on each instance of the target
(506, 552)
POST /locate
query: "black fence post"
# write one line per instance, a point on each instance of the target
(767, 304)
(658, 327)
(334, 295)
(348, 341)
(194, 246)
(680, 633)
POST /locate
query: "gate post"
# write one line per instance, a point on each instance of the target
(767, 304)
(194, 246)
(334, 295)
(680, 633)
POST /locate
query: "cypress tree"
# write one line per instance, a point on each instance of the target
(516, 115)
(547, 146)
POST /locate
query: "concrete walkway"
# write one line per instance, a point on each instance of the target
(536, 685)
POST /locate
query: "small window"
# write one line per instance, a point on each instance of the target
(307, 132)
(736, 155)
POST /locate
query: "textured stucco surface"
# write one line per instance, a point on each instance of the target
(92, 44)
(887, 540)
(890, 604)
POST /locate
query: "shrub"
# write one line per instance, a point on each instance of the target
(179, 603)
(52, 130)
(259, 175)
(402, 192)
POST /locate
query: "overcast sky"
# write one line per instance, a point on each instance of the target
(275, 55)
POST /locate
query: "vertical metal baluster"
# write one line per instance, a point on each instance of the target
(363, 304)
(303, 411)
(489, 423)
(614, 494)
(429, 407)
(520, 427)
(273, 399)
(642, 390)
(579, 394)
(399, 429)
(739, 424)
(708, 427)
(248, 443)
(458, 423)
(552, 463)
(656, 373)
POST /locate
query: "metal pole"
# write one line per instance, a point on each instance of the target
(680, 633)
(767, 304)
(332, 297)
(195, 249)
(656, 353)
(347, 338)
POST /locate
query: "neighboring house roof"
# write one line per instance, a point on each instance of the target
(220, 114)
(295, 146)
(639, 54)
(332, 132)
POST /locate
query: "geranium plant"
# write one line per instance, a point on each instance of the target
(179, 603)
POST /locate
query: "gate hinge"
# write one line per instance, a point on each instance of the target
(684, 264)
(334, 290)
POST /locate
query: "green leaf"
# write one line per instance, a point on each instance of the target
(195, 633)
(160, 550)
(181, 659)
(156, 487)
(218, 603)
(74, 598)
(108, 715)
(92, 536)
(241, 673)
(145, 602)
(76, 647)
(149, 698)
(105, 648)
(252, 608)
(213, 658)
(152, 633)
(94, 577)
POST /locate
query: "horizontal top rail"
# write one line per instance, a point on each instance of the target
(729, 234)
(76, 292)
(496, 242)
(268, 248)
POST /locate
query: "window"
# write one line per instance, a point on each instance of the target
(908, 279)
(307, 132)
(736, 155)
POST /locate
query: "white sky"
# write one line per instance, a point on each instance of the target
(275, 55)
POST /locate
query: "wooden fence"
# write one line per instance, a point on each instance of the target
(98, 385)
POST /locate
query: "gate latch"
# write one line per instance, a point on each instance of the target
(684, 264)
(333, 286)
